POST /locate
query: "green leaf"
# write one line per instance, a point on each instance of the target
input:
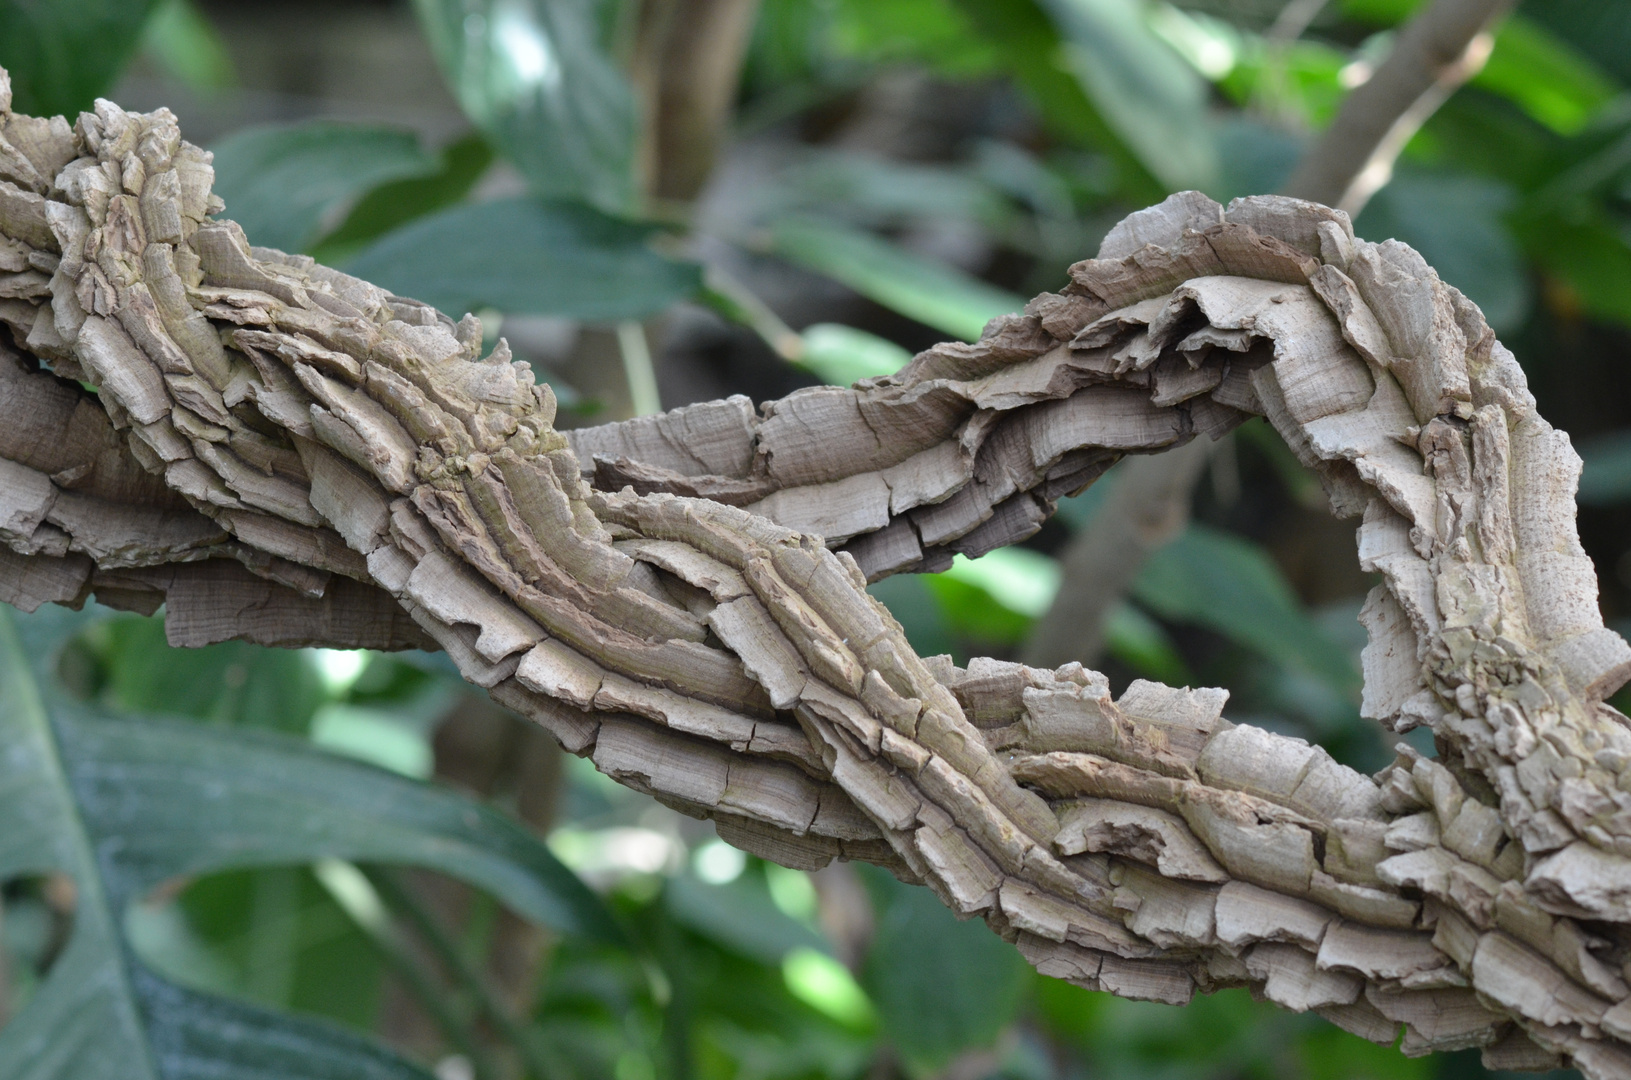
(180, 39)
(398, 202)
(1586, 255)
(1144, 90)
(528, 257)
(1600, 29)
(739, 916)
(533, 75)
(229, 683)
(930, 32)
(1021, 580)
(1032, 48)
(1544, 76)
(64, 54)
(1457, 223)
(185, 799)
(99, 1015)
(1230, 586)
(285, 183)
(933, 293)
(940, 986)
(842, 355)
(122, 805)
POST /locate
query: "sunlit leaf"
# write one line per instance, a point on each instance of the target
(842, 354)
(1021, 580)
(523, 256)
(940, 986)
(533, 75)
(286, 183)
(64, 54)
(1230, 586)
(933, 293)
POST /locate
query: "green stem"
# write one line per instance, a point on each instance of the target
(638, 369)
(357, 897)
(441, 942)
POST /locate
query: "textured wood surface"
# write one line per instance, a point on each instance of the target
(286, 454)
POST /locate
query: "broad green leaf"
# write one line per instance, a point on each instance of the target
(842, 355)
(1230, 586)
(64, 54)
(1606, 478)
(121, 805)
(1143, 89)
(230, 683)
(1457, 223)
(99, 1015)
(940, 986)
(533, 75)
(1212, 47)
(933, 293)
(1544, 76)
(523, 256)
(973, 614)
(1601, 29)
(1587, 256)
(398, 202)
(180, 39)
(285, 183)
(186, 799)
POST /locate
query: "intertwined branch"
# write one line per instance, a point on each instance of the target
(283, 453)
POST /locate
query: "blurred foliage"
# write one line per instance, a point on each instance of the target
(261, 928)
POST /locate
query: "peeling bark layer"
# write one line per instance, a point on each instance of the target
(288, 454)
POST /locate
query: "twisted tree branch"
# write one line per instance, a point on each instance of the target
(1345, 167)
(682, 598)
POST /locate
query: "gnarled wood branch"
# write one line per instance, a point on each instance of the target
(288, 454)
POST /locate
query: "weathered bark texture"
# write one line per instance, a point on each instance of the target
(1435, 52)
(287, 454)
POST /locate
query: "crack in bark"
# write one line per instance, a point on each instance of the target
(341, 465)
